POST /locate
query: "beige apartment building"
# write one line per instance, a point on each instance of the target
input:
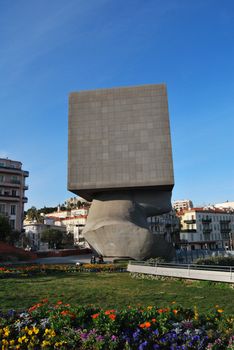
(12, 192)
(207, 228)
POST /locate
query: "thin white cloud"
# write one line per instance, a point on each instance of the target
(4, 154)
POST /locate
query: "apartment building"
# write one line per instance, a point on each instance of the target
(207, 228)
(182, 204)
(167, 225)
(73, 221)
(12, 191)
(33, 233)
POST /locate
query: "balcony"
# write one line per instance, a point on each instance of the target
(8, 196)
(207, 220)
(25, 187)
(25, 199)
(191, 221)
(225, 222)
(188, 230)
(207, 230)
(16, 182)
(225, 229)
(9, 170)
(10, 183)
(25, 173)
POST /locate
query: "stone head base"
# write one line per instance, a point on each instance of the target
(117, 224)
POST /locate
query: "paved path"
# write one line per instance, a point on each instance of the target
(66, 259)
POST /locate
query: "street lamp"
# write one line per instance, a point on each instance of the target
(230, 240)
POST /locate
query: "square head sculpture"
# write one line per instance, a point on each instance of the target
(119, 156)
(119, 138)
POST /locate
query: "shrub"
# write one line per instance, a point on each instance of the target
(216, 260)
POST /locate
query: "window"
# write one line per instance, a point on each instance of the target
(1, 178)
(2, 208)
(13, 209)
(12, 223)
(15, 179)
(14, 193)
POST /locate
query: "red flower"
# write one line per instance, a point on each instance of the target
(45, 300)
(147, 324)
(95, 316)
(112, 317)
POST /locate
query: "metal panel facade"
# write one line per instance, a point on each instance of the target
(119, 138)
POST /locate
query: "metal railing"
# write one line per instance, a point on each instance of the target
(207, 272)
(185, 266)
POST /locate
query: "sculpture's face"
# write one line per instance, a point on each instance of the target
(154, 202)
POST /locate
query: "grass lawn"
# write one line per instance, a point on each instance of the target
(114, 290)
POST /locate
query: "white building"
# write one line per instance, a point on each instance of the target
(182, 204)
(33, 232)
(73, 221)
(207, 228)
(167, 225)
(225, 205)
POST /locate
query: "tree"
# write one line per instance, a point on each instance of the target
(53, 237)
(13, 237)
(34, 215)
(5, 228)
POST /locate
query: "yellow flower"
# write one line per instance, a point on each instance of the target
(149, 307)
(35, 330)
(6, 331)
(52, 334)
(59, 343)
(220, 311)
(45, 343)
(196, 314)
(30, 332)
(12, 342)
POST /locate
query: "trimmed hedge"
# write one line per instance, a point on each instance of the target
(216, 260)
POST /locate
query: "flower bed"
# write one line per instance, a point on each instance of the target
(42, 270)
(61, 326)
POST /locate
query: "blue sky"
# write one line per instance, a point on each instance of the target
(50, 48)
